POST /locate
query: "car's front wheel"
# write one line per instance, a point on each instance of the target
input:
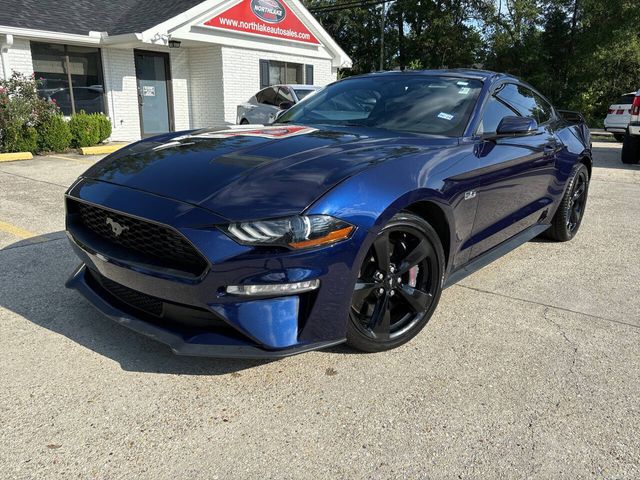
(398, 286)
(568, 217)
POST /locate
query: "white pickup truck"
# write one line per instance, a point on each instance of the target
(631, 144)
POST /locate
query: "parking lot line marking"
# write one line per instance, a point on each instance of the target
(555, 307)
(16, 231)
(33, 179)
(79, 160)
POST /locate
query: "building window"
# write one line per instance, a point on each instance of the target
(69, 75)
(274, 73)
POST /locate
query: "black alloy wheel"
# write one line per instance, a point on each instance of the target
(398, 286)
(577, 201)
(568, 217)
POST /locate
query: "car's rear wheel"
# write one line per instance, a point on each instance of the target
(631, 149)
(568, 217)
(398, 286)
(618, 136)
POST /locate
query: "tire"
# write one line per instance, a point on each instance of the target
(619, 137)
(244, 121)
(631, 149)
(398, 287)
(568, 218)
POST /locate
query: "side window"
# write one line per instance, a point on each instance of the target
(284, 95)
(260, 96)
(267, 96)
(545, 111)
(526, 102)
(494, 111)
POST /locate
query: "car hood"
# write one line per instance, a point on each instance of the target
(245, 173)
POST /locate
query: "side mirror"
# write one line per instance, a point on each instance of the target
(285, 105)
(279, 113)
(512, 126)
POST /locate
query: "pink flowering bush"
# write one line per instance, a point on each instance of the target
(23, 113)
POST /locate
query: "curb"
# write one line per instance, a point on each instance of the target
(101, 149)
(12, 157)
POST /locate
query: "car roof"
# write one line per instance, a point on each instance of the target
(295, 86)
(471, 73)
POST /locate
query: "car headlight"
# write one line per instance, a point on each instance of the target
(302, 231)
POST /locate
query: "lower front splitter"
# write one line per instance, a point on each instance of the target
(201, 343)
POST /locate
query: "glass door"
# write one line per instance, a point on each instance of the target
(152, 72)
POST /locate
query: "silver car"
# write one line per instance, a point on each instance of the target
(264, 106)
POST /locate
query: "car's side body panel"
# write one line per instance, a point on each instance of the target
(513, 178)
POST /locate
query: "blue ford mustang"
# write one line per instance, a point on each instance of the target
(341, 222)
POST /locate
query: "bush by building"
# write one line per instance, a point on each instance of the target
(21, 112)
(54, 135)
(85, 130)
(29, 123)
(18, 138)
(104, 126)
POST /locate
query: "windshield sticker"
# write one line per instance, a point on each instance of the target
(445, 116)
(464, 91)
(462, 84)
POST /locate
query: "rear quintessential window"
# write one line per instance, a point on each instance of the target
(69, 75)
(405, 103)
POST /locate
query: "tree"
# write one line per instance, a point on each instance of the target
(581, 54)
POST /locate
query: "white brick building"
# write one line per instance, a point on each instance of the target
(187, 64)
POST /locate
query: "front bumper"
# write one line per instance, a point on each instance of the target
(188, 341)
(262, 327)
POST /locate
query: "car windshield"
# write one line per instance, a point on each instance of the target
(404, 103)
(301, 93)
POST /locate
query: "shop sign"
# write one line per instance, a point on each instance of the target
(268, 18)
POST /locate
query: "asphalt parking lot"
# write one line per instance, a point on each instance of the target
(530, 368)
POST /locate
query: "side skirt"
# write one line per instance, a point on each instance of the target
(495, 253)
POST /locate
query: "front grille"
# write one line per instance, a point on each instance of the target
(150, 242)
(154, 309)
(133, 298)
(138, 300)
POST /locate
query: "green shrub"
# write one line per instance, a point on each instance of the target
(54, 135)
(18, 137)
(104, 126)
(22, 111)
(85, 130)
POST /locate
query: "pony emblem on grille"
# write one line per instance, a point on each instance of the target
(116, 228)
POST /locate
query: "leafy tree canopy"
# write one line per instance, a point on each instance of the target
(582, 54)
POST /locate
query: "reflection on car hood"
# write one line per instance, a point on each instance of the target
(243, 173)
